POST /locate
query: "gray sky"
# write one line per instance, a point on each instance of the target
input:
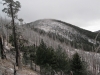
(82, 13)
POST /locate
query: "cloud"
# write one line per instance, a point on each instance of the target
(93, 25)
(81, 13)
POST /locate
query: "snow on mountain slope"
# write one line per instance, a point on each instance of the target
(49, 25)
(66, 32)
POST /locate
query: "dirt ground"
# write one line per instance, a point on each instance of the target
(7, 68)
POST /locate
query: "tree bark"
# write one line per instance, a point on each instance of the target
(14, 70)
(2, 49)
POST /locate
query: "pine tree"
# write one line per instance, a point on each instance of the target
(12, 10)
(77, 67)
(51, 60)
(62, 60)
(40, 55)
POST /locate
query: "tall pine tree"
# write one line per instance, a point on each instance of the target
(77, 66)
(11, 10)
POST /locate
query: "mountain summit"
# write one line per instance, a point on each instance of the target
(65, 32)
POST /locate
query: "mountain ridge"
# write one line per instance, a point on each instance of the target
(71, 25)
(65, 32)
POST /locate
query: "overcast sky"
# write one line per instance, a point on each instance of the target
(82, 13)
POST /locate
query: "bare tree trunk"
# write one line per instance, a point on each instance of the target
(15, 40)
(2, 49)
(7, 35)
(14, 70)
(31, 64)
(35, 67)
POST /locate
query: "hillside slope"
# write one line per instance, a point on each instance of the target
(53, 32)
(64, 32)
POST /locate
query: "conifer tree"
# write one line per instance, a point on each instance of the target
(11, 10)
(40, 54)
(62, 60)
(77, 67)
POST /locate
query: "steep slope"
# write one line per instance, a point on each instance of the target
(54, 33)
(64, 32)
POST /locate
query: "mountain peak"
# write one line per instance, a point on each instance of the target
(65, 32)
